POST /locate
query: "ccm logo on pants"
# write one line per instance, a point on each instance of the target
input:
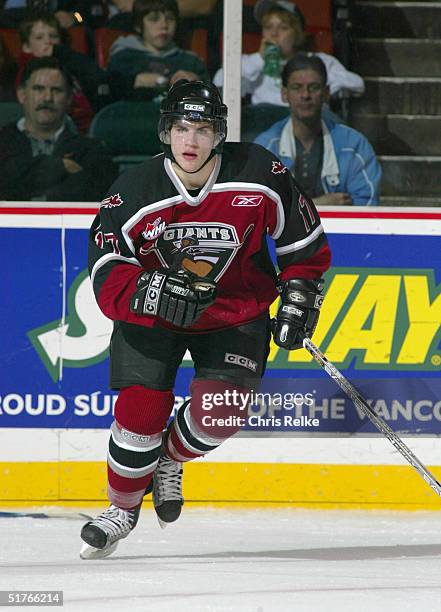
(241, 361)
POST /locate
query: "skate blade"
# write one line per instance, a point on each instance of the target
(162, 523)
(90, 552)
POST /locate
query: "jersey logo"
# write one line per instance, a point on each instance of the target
(112, 201)
(247, 200)
(153, 230)
(205, 249)
(278, 168)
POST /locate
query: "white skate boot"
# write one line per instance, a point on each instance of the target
(101, 535)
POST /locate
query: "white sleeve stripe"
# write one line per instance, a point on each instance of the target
(300, 244)
(109, 257)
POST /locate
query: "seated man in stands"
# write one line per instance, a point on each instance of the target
(143, 66)
(333, 163)
(283, 26)
(41, 36)
(41, 158)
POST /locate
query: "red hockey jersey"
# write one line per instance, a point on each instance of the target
(149, 220)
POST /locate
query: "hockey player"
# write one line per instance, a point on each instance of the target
(179, 260)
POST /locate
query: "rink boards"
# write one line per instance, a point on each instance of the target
(380, 325)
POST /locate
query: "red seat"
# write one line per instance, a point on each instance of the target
(197, 41)
(78, 39)
(11, 40)
(104, 39)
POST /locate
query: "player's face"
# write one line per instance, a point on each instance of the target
(42, 39)
(279, 32)
(158, 29)
(45, 99)
(191, 143)
(305, 93)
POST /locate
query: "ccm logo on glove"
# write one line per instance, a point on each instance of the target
(178, 297)
(298, 313)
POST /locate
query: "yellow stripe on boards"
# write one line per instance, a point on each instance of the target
(299, 485)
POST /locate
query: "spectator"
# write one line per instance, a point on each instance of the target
(42, 36)
(282, 25)
(8, 71)
(333, 163)
(144, 65)
(40, 156)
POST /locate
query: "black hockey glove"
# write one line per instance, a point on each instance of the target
(298, 312)
(178, 297)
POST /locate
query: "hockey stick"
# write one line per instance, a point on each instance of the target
(381, 425)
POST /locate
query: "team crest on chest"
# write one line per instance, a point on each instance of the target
(205, 249)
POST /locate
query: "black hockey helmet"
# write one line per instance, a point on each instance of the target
(193, 101)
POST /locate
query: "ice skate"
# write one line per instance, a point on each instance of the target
(102, 534)
(167, 490)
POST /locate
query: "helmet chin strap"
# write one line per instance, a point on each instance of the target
(172, 157)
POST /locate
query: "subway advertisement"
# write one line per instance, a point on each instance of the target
(380, 325)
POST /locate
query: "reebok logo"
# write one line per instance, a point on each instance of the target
(247, 200)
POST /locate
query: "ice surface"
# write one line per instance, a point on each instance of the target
(236, 560)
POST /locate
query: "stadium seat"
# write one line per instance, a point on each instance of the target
(129, 129)
(197, 41)
(9, 111)
(258, 118)
(78, 39)
(104, 39)
(11, 39)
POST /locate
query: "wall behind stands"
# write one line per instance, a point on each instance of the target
(380, 325)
